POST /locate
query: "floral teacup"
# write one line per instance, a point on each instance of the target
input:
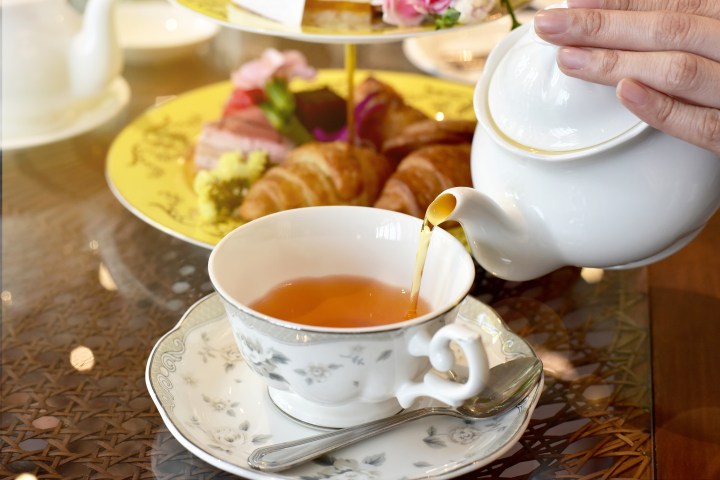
(334, 376)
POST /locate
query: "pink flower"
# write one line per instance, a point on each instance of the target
(431, 6)
(402, 13)
(409, 13)
(272, 64)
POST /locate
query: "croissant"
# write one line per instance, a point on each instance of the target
(428, 132)
(318, 174)
(387, 113)
(423, 175)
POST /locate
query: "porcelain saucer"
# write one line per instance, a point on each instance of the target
(216, 407)
(459, 54)
(109, 105)
(153, 31)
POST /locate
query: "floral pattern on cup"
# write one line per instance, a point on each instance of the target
(268, 362)
(262, 360)
(356, 355)
(317, 372)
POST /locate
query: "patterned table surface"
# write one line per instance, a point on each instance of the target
(88, 289)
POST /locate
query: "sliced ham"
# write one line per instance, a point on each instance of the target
(243, 130)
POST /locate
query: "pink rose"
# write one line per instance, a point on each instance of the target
(272, 64)
(402, 13)
(431, 6)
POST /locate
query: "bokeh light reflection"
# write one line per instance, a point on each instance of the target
(82, 358)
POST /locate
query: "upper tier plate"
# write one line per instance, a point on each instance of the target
(227, 13)
(460, 54)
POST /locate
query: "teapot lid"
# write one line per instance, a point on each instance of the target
(534, 104)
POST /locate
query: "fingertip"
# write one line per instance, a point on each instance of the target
(552, 21)
(630, 91)
(570, 58)
(585, 3)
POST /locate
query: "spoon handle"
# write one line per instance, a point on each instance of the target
(275, 458)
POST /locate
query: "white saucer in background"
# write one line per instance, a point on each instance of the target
(152, 31)
(107, 106)
(433, 54)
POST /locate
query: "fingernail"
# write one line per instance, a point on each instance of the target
(585, 3)
(551, 21)
(573, 58)
(632, 92)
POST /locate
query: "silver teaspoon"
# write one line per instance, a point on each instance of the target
(508, 384)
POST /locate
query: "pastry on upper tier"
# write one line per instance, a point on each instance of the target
(341, 14)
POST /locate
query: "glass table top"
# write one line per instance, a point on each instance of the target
(88, 289)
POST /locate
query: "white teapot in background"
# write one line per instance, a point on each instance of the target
(563, 174)
(54, 61)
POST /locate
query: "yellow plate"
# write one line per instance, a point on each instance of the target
(149, 165)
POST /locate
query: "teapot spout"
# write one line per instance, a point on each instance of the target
(499, 237)
(95, 57)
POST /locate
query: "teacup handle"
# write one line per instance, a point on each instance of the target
(442, 358)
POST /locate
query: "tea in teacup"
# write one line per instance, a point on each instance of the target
(347, 301)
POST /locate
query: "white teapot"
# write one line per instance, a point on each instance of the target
(54, 61)
(563, 174)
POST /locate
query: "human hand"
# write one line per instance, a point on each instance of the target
(663, 56)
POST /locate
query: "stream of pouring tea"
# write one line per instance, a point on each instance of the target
(438, 211)
(425, 235)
